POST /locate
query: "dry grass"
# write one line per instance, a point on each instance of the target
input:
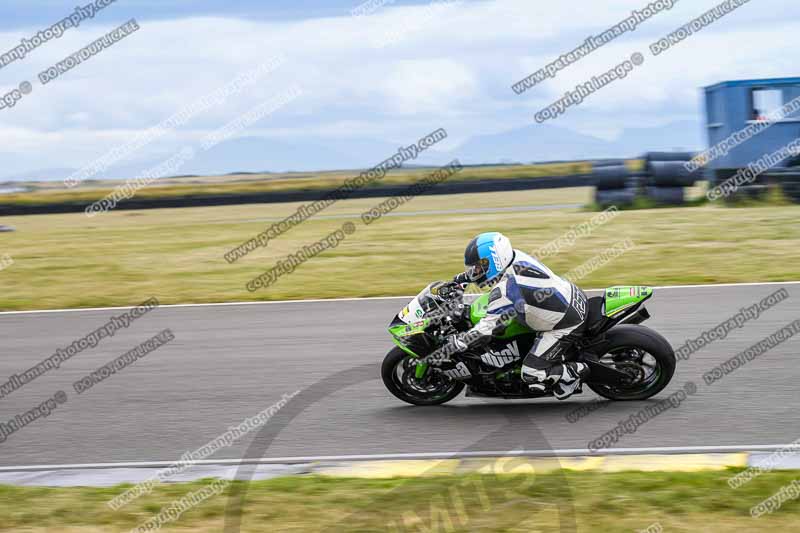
(124, 257)
(91, 191)
(593, 502)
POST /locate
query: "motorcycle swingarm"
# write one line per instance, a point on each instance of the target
(605, 374)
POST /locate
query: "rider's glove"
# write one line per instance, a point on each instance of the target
(461, 279)
(449, 290)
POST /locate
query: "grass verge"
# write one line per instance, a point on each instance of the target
(123, 258)
(593, 502)
(50, 193)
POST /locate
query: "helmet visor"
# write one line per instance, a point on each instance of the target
(477, 272)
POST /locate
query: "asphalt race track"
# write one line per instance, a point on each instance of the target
(228, 362)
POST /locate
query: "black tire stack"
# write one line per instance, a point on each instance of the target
(789, 179)
(667, 176)
(614, 184)
(792, 190)
(752, 191)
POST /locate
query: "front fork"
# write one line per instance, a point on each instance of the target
(421, 369)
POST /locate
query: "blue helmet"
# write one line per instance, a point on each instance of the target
(487, 257)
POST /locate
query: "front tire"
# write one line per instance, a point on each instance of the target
(627, 348)
(397, 372)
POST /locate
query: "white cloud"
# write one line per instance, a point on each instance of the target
(454, 70)
(427, 86)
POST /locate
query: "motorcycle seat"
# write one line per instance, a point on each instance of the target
(594, 312)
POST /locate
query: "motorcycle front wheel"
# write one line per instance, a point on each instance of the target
(399, 375)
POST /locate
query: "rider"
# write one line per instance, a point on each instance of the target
(525, 288)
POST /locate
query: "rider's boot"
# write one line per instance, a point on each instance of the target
(543, 371)
(573, 375)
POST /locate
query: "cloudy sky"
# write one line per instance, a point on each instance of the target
(404, 70)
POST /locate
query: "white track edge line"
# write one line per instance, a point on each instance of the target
(573, 452)
(358, 299)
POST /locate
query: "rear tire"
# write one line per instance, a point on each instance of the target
(396, 358)
(643, 338)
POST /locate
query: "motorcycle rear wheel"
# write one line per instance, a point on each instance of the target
(628, 347)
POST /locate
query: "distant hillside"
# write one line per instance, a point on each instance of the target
(533, 143)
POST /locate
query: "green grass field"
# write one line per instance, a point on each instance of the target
(53, 193)
(594, 502)
(124, 257)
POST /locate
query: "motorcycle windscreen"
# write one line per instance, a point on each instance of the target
(412, 337)
(423, 304)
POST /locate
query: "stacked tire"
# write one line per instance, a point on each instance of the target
(792, 191)
(614, 185)
(667, 176)
(790, 183)
(785, 178)
(753, 191)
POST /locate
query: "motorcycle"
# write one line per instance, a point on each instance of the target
(627, 361)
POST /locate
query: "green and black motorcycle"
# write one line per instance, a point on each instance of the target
(627, 361)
